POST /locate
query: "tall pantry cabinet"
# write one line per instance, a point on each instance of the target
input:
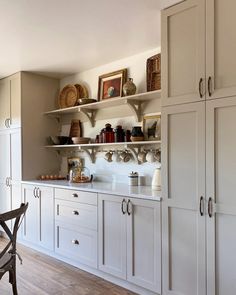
(198, 148)
(23, 132)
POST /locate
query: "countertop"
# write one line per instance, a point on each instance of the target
(119, 189)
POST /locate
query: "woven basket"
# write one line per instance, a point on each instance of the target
(154, 73)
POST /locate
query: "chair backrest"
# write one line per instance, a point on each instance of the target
(18, 215)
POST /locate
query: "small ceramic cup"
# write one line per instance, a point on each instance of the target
(108, 156)
(157, 156)
(142, 156)
(150, 157)
(125, 156)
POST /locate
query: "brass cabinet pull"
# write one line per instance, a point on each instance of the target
(75, 242)
(75, 212)
(210, 207)
(200, 87)
(123, 207)
(129, 207)
(209, 86)
(201, 206)
(75, 195)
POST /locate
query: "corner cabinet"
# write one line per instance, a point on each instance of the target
(38, 225)
(130, 240)
(197, 55)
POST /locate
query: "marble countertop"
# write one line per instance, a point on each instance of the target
(119, 189)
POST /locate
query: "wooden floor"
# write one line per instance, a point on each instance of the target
(43, 275)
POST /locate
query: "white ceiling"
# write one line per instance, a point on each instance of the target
(61, 37)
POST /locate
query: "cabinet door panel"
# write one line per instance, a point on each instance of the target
(221, 179)
(112, 236)
(5, 159)
(144, 245)
(221, 47)
(46, 217)
(31, 220)
(183, 184)
(4, 102)
(183, 52)
(16, 155)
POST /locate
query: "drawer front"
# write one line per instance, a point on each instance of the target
(76, 196)
(77, 244)
(79, 214)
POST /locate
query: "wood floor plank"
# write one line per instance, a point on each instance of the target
(44, 275)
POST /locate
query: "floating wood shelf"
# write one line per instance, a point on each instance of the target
(134, 102)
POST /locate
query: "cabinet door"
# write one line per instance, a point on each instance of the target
(5, 159)
(46, 217)
(144, 244)
(221, 179)
(221, 47)
(183, 53)
(4, 102)
(15, 117)
(15, 142)
(31, 220)
(112, 235)
(183, 186)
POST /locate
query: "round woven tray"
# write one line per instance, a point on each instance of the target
(82, 91)
(68, 96)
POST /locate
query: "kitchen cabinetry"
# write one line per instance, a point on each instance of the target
(76, 226)
(129, 240)
(10, 102)
(38, 226)
(168, 3)
(198, 244)
(197, 55)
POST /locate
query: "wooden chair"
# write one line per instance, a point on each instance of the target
(9, 253)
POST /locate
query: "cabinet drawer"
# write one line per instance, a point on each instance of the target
(77, 244)
(80, 214)
(76, 196)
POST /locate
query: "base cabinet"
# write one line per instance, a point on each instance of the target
(39, 219)
(129, 240)
(76, 226)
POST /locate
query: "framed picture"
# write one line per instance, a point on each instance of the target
(152, 126)
(111, 85)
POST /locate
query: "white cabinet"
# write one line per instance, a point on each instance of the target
(129, 240)
(76, 226)
(197, 54)
(39, 219)
(112, 235)
(10, 102)
(183, 192)
(183, 52)
(221, 179)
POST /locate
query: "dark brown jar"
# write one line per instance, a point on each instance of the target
(127, 136)
(108, 134)
(119, 134)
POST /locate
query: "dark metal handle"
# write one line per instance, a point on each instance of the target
(209, 86)
(210, 209)
(122, 206)
(200, 87)
(6, 123)
(34, 192)
(38, 193)
(9, 123)
(75, 195)
(129, 207)
(75, 212)
(75, 242)
(201, 207)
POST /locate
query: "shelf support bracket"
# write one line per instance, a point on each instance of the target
(136, 108)
(91, 153)
(135, 151)
(90, 114)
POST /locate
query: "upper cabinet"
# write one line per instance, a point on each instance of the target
(183, 53)
(220, 48)
(10, 102)
(197, 51)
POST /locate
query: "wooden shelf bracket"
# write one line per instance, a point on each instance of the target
(136, 108)
(90, 114)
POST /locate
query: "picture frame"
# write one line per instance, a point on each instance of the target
(111, 85)
(152, 126)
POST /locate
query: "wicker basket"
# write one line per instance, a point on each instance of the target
(154, 73)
